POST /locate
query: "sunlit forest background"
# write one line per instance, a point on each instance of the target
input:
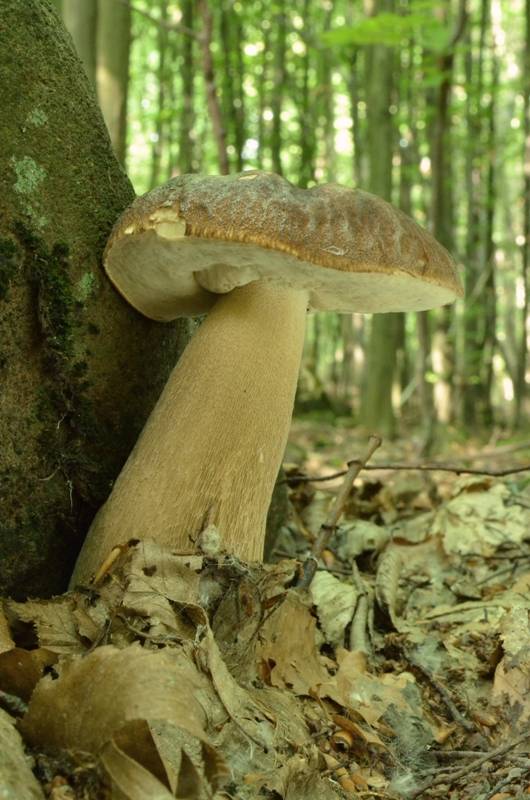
(423, 102)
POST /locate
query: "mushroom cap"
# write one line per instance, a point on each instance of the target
(196, 236)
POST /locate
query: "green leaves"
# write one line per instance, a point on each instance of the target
(391, 30)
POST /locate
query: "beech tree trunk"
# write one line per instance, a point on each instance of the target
(79, 369)
(162, 141)
(442, 216)
(80, 18)
(522, 349)
(113, 45)
(208, 68)
(376, 409)
(186, 156)
(279, 72)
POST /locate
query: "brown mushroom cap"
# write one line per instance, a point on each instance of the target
(194, 237)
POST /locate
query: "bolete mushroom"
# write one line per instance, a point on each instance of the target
(258, 252)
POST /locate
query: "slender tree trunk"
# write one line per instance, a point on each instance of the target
(240, 133)
(409, 160)
(186, 160)
(307, 118)
(80, 18)
(262, 98)
(79, 369)
(279, 75)
(174, 100)
(348, 360)
(226, 79)
(214, 108)
(163, 78)
(443, 345)
(232, 78)
(489, 339)
(354, 83)
(474, 400)
(522, 356)
(376, 409)
(326, 107)
(113, 45)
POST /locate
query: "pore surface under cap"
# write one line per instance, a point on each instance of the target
(194, 237)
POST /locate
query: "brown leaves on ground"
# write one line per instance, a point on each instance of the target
(403, 672)
(16, 778)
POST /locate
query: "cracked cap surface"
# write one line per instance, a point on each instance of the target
(179, 245)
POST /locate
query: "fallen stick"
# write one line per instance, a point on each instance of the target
(336, 511)
(494, 473)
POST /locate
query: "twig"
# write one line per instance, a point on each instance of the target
(494, 473)
(470, 767)
(359, 639)
(444, 694)
(335, 513)
(504, 783)
(13, 704)
(458, 753)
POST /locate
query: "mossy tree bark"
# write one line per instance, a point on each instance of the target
(79, 369)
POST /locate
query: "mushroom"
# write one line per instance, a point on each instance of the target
(255, 253)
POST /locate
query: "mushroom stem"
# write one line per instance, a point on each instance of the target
(212, 447)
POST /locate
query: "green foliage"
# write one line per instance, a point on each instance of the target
(392, 30)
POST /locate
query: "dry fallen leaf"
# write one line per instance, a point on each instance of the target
(335, 603)
(53, 621)
(479, 519)
(21, 670)
(130, 780)
(113, 695)
(17, 781)
(288, 650)
(512, 676)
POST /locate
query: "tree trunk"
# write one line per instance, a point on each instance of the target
(79, 369)
(409, 159)
(474, 401)
(443, 345)
(280, 76)
(522, 355)
(186, 160)
(214, 108)
(348, 361)
(354, 85)
(326, 101)
(262, 80)
(240, 128)
(164, 76)
(307, 119)
(114, 40)
(232, 78)
(376, 409)
(489, 337)
(80, 18)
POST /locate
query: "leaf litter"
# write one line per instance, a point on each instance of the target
(402, 672)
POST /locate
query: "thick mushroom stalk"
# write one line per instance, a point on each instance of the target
(212, 447)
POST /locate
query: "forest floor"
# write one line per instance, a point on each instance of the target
(401, 670)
